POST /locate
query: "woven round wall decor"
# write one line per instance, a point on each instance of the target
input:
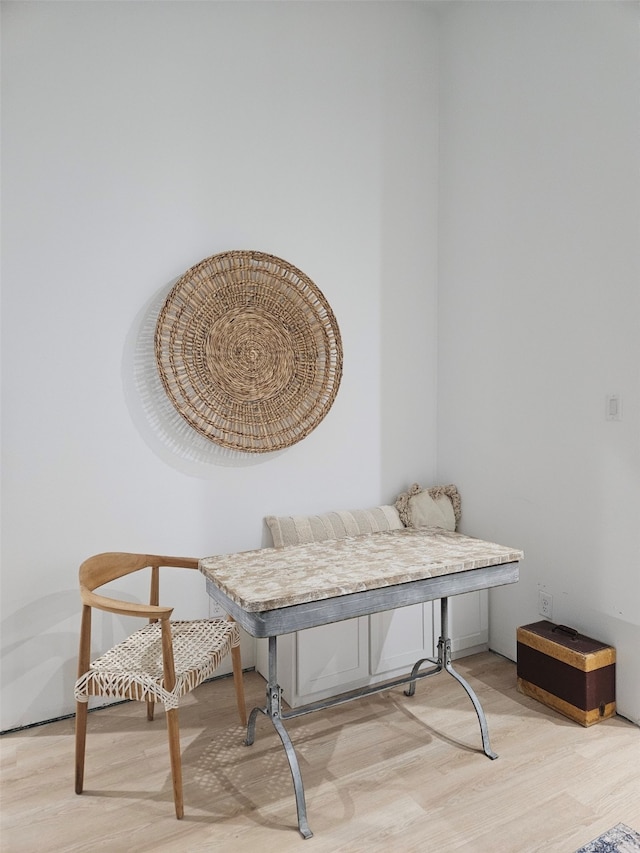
(249, 351)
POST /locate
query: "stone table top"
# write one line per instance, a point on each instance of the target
(270, 578)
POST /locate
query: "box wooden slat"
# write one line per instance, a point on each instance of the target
(571, 673)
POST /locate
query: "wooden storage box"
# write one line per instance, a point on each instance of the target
(567, 671)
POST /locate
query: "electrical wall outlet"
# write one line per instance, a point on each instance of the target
(216, 611)
(545, 604)
(613, 412)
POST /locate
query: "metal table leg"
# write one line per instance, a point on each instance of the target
(444, 661)
(273, 710)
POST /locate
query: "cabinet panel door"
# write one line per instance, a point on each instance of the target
(469, 620)
(399, 638)
(331, 656)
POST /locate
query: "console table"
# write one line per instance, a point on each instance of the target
(275, 591)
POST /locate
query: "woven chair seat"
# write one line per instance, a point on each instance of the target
(133, 669)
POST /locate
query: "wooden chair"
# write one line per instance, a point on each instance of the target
(158, 663)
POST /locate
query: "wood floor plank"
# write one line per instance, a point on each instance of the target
(385, 773)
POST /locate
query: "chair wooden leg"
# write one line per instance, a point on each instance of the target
(239, 683)
(82, 709)
(173, 730)
(150, 710)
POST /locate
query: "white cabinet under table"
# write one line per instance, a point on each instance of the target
(319, 662)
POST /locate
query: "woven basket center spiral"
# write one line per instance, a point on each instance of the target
(250, 355)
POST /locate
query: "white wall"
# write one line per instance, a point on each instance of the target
(539, 291)
(139, 138)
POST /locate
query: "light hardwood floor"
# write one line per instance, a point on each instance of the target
(387, 773)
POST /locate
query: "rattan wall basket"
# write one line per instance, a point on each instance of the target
(249, 351)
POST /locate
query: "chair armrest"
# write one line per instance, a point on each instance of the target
(174, 562)
(124, 608)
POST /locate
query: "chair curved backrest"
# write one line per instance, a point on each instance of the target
(143, 667)
(103, 568)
